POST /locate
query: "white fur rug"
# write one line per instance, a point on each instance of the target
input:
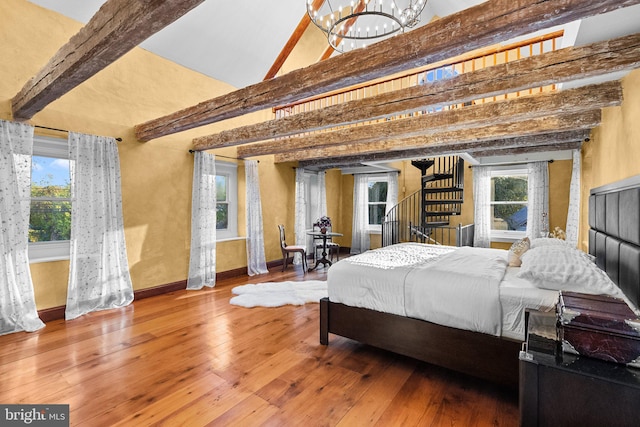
(276, 294)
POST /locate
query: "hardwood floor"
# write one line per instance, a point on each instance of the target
(191, 358)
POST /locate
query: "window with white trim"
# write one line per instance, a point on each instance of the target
(226, 200)
(377, 187)
(50, 215)
(509, 203)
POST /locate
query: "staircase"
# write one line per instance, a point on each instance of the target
(425, 215)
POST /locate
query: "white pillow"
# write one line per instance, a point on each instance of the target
(564, 268)
(548, 241)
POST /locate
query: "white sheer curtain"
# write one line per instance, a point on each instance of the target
(360, 241)
(99, 271)
(300, 226)
(202, 260)
(482, 206)
(573, 214)
(17, 303)
(322, 194)
(256, 260)
(538, 195)
(392, 191)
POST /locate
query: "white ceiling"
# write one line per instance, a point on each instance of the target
(238, 41)
(232, 41)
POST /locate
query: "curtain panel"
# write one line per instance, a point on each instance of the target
(17, 303)
(538, 194)
(573, 213)
(99, 271)
(256, 260)
(202, 260)
(482, 204)
(392, 191)
(360, 241)
(300, 225)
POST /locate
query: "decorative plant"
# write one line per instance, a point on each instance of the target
(323, 222)
(558, 233)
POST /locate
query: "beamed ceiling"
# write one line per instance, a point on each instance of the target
(545, 121)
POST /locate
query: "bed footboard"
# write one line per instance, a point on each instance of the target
(473, 353)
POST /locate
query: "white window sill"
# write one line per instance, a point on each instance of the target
(49, 251)
(231, 239)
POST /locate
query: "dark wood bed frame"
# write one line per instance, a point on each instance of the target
(614, 239)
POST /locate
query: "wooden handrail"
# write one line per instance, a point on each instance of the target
(471, 56)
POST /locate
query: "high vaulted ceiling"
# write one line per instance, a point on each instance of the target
(233, 41)
(237, 41)
(453, 34)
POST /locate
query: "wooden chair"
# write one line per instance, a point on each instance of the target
(291, 249)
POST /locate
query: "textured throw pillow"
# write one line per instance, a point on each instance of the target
(565, 268)
(548, 241)
(517, 250)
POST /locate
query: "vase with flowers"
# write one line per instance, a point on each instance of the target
(323, 223)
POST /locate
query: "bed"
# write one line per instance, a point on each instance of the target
(486, 351)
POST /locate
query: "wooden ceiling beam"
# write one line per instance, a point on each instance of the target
(117, 27)
(482, 25)
(564, 65)
(530, 142)
(515, 109)
(540, 125)
(513, 151)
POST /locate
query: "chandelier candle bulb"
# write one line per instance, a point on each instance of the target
(338, 21)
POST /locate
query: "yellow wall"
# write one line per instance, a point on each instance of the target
(614, 149)
(156, 176)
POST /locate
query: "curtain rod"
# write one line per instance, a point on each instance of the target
(226, 157)
(65, 131)
(510, 164)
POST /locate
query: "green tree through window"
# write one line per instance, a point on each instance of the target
(50, 216)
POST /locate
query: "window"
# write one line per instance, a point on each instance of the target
(50, 216)
(226, 200)
(377, 201)
(509, 198)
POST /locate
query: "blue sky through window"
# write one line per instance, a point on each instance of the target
(50, 171)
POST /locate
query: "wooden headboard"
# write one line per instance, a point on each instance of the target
(614, 234)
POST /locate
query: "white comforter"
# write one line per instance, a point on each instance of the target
(457, 287)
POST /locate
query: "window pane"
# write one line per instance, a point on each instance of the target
(222, 216)
(509, 188)
(377, 191)
(511, 216)
(221, 188)
(49, 221)
(376, 213)
(50, 177)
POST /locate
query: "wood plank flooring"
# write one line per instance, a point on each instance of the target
(192, 359)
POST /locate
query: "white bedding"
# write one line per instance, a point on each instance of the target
(457, 287)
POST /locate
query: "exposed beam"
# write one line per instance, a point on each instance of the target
(481, 25)
(117, 27)
(553, 67)
(512, 151)
(291, 43)
(559, 139)
(540, 125)
(515, 109)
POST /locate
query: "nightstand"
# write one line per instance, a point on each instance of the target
(560, 389)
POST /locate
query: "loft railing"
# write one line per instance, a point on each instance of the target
(434, 72)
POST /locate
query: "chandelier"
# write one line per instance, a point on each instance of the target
(353, 24)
